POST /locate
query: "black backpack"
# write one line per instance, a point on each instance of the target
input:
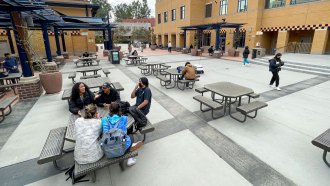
(139, 118)
(124, 107)
(70, 173)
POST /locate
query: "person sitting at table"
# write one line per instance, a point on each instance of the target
(143, 95)
(85, 54)
(107, 95)
(10, 64)
(112, 119)
(80, 97)
(87, 131)
(211, 51)
(134, 53)
(189, 72)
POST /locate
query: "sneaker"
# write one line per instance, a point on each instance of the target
(243, 65)
(131, 162)
(271, 86)
(278, 88)
(136, 146)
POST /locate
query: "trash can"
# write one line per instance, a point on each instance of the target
(254, 53)
(114, 57)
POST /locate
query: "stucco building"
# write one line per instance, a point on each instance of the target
(284, 25)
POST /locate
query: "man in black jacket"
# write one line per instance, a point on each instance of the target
(275, 65)
(107, 96)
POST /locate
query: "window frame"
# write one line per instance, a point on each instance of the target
(173, 17)
(182, 12)
(223, 5)
(240, 4)
(159, 18)
(210, 13)
(267, 4)
(165, 16)
(294, 2)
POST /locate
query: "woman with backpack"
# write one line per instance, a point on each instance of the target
(275, 65)
(114, 120)
(246, 53)
(87, 131)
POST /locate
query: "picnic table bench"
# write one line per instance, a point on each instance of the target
(90, 76)
(249, 108)
(323, 142)
(187, 83)
(106, 72)
(6, 103)
(72, 75)
(213, 105)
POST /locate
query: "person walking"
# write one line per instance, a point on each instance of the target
(169, 47)
(275, 65)
(246, 53)
(129, 47)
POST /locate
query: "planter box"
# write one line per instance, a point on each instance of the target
(185, 51)
(194, 52)
(51, 81)
(153, 47)
(105, 53)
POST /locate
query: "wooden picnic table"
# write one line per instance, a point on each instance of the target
(228, 91)
(73, 117)
(84, 70)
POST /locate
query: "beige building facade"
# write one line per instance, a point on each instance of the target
(300, 26)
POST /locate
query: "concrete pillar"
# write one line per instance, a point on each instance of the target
(184, 38)
(217, 35)
(320, 41)
(282, 41)
(29, 87)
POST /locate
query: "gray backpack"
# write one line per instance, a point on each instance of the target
(113, 142)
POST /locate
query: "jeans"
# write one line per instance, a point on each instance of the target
(276, 78)
(245, 61)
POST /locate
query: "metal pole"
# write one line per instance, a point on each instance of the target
(10, 40)
(58, 47)
(236, 37)
(46, 41)
(105, 45)
(27, 72)
(184, 38)
(63, 41)
(109, 38)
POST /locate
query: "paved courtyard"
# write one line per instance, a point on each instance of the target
(187, 146)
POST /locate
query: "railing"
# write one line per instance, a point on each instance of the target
(295, 47)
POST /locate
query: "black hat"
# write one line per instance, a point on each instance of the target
(106, 84)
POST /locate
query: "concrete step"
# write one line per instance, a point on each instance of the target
(311, 69)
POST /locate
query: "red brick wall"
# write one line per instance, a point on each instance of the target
(29, 90)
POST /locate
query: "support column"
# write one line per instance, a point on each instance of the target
(27, 72)
(282, 41)
(58, 47)
(320, 41)
(184, 38)
(10, 40)
(105, 45)
(236, 37)
(109, 39)
(217, 35)
(46, 41)
(63, 41)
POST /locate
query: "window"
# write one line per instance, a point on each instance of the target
(293, 2)
(159, 18)
(165, 17)
(240, 41)
(173, 15)
(182, 12)
(208, 10)
(223, 7)
(274, 3)
(206, 39)
(242, 6)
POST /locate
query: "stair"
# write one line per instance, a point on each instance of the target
(297, 67)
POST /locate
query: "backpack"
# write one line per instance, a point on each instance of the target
(113, 142)
(70, 173)
(124, 107)
(139, 118)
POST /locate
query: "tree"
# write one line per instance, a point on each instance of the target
(120, 35)
(141, 34)
(134, 10)
(104, 8)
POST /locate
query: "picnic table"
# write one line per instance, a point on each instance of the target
(73, 117)
(135, 60)
(174, 76)
(150, 67)
(95, 82)
(228, 91)
(86, 60)
(8, 80)
(84, 70)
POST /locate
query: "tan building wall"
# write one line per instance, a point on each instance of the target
(75, 43)
(299, 20)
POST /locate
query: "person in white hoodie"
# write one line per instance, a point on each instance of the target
(169, 47)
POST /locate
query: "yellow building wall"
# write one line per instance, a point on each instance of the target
(257, 17)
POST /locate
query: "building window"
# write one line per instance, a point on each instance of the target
(242, 6)
(274, 3)
(240, 39)
(223, 7)
(206, 39)
(293, 2)
(159, 18)
(173, 15)
(208, 10)
(165, 17)
(182, 12)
